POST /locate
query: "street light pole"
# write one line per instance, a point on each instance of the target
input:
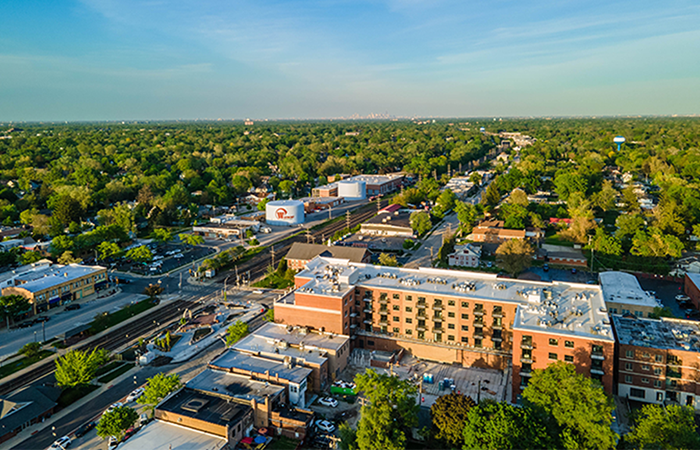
(225, 280)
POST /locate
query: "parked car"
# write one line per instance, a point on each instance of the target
(545, 267)
(61, 443)
(83, 430)
(328, 401)
(573, 270)
(72, 306)
(682, 298)
(112, 407)
(113, 443)
(134, 395)
(40, 319)
(325, 425)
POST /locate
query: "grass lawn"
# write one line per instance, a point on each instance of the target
(20, 364)
(115, 373)
(274, 281)
(555, 239)
(110, 319)
(71, 395)
(283, 443)
(107, 368)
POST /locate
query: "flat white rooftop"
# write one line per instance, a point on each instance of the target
(45, 277)
(159, 435)
(559, 307)
(621, 287)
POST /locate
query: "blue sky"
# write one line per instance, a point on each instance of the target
(177, 59)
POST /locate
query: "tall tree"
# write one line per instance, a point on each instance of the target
(578, 405)
(493, 425)
(191, 239)
(236, 332)
(115, 422)
(158, 387)
(140, 254)
(162, 235)
(107, 249)
(491, 197)
(514, 255)
(449, 416)
(392, 410)
(420, 222)
(78, 367)
(12, 305)
(669, 427)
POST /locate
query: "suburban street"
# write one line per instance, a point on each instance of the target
(421, 257)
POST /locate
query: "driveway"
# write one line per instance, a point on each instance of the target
(421, 257)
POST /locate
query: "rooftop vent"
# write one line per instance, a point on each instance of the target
(195, 405)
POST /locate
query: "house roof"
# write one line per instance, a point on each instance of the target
(307, 252)
(26, 405)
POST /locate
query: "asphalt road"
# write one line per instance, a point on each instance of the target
(61, 321)
(421, 257)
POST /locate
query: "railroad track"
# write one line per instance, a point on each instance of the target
(257, 266)
(109, 341)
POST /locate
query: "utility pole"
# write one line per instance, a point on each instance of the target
(272, 253)
(379, 204)
(330, 209)
(431, 256)
(347, 219)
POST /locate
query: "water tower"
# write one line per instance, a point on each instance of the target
(619, 140)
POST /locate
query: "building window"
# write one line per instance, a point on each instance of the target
(659, 358)
(395, 307)
(657, 383)
(657, 371)
(409, 298)
(421, 335)
(450, 314)
(396, 330)
(465, 305)
(629, 353)
(395, 296)
(477, 342)
(465, 340)
(409, 331)
(645, 380)
(659, 396)
(638, 393)
(396, 319)
(568, 358)
(465, 316)
(438, 337)
(497, 322)
(569, 344)
(409, 309)
(497, 345)
(450, 337)
(383, 296)
(628, 379)
(465, 328)
(553, 341)
(628, 366)
(646, 367)
(409, 320)
(553, 356)
(370, 343)
(451, 326)
(646, 355)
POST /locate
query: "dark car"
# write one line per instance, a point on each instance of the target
(72, 306)
(573, 271)
(82, 431)
(545, 267)
(40, 319)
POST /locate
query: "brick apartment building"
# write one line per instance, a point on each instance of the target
(456, 317)
(658, 360)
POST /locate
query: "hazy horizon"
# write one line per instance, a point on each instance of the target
(108, 60)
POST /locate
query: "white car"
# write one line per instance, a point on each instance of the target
(60, 443)
(134, 395)
(325, 425)
(113, 443)
(113, 407)
(682, 298)
(328, 401)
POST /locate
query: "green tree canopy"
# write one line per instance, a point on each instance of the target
(12, 305)
(669, 427)
(140, 254)
(449, 416)
(514, 255)
(108, 249)
(191, 239)
(385, 259)
(492, 425)
(115, 422)
(236, 332)
(420, 222)
(78, 367)
(392, 410)
(158, 387)
(162, 235)
(579, 407)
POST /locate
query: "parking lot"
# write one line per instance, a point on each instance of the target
(166, 257)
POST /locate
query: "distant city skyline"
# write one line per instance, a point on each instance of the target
(156, 60)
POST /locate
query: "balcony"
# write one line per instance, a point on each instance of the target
(437, 319)
(367, 299)
(422, 314)
(421, 305)
(496, 338)
(526, 346)
(598, 355)
(354, 314)
(671, 373)
(438, 330)
(497, 314)
(384, 322)
(437, 307)
(383, 301)
(421, 328)
(597, 372)
(527, 360)
(368, 321)
(353, 326)
(526, 374)
(478, 312)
